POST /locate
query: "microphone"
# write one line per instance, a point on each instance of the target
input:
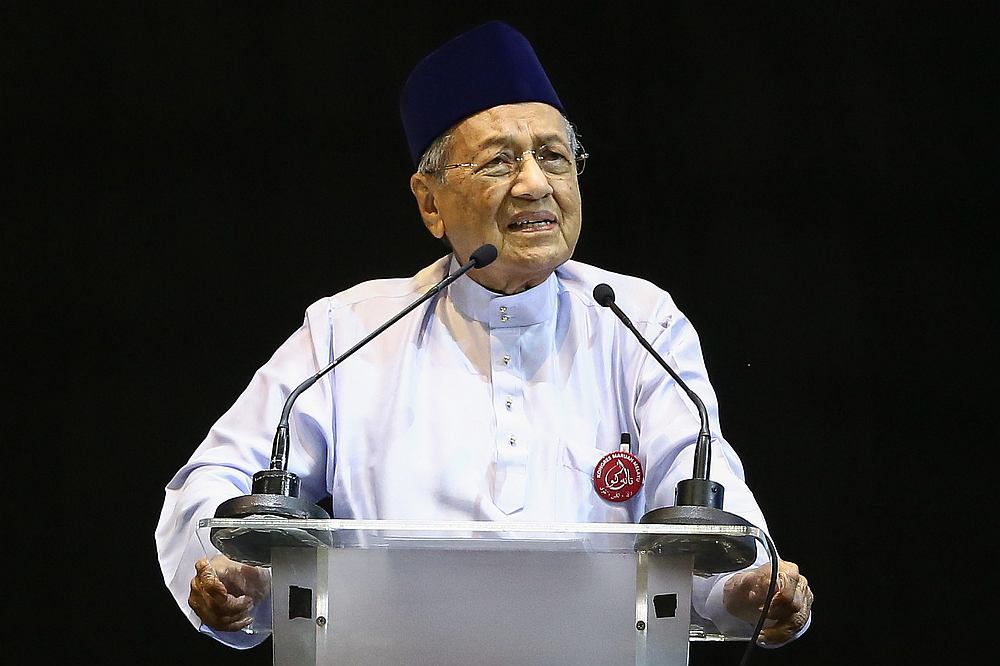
(699, 490)
(275, 491)
(698, 500)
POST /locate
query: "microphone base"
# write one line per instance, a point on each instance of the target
(253, 546)
(275, 482)
(700, 493)
(267, 504)
(712, 554)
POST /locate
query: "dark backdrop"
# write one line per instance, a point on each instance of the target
(812, 182)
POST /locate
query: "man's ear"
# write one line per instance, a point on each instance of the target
(423, 191)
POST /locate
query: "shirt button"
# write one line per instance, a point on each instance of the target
(513, 440)
(509, 403)
(503, 308)
(504, 317)
(506, 359)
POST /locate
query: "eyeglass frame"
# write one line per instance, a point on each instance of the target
(579, 161)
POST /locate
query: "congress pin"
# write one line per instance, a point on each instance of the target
(618, 475)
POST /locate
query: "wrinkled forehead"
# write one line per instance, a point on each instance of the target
(524, 125)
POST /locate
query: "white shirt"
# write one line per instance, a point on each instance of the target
(475, 406)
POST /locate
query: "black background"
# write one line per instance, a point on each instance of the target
(815, 183)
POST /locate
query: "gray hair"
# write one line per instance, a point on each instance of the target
(434, 159)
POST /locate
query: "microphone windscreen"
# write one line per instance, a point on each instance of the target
(484, 255)
(604, 294)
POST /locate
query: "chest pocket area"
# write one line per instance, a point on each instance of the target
(578, 500)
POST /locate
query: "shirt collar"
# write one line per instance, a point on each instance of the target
(475, 301)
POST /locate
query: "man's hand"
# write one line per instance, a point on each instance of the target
(223, 592)
(745, 593)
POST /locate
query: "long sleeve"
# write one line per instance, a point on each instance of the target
(237, 446)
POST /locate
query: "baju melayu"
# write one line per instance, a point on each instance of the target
(475, 406)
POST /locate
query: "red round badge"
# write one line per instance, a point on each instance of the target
(618, 476)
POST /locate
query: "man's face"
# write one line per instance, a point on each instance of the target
(531, 216)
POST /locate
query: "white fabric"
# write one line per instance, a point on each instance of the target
(474, 406)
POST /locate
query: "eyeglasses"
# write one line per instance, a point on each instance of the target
(552, 160)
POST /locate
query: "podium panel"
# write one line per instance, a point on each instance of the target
(384, 592)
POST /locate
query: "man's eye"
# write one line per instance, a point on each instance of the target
(501, 163)
(502, 158)
(552, 155)
(553, 160)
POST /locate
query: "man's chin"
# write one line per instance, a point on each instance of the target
(530, 271)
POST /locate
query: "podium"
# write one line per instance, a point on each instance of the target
(365, 592)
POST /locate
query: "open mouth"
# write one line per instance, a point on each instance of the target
(533, 222)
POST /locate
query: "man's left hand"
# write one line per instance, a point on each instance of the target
(745, 593)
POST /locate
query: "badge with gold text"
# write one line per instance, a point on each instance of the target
(618, 475)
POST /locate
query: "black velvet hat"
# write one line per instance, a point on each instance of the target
(487, 66)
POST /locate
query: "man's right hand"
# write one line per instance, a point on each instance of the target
(223, 592)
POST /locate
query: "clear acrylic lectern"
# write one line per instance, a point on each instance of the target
(365, 592)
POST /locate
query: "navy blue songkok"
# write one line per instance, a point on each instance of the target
(487, 66)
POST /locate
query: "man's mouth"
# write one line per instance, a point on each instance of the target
(532, 222)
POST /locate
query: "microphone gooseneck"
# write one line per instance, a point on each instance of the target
(482, 257)
(698, 500)
(275, 491)
(605, 296)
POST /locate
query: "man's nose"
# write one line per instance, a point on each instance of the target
(531, 181)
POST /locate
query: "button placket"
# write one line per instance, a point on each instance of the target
(511, 450)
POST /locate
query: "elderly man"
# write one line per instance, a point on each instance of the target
(496, 399)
